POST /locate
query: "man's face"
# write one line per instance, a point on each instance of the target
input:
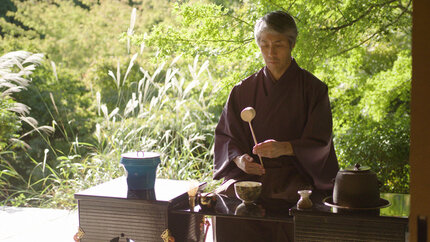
(276, 52)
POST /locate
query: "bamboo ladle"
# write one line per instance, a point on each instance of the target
(248, 115)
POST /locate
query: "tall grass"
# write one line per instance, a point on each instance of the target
(15, 69)
(171, 117)
(166, 111)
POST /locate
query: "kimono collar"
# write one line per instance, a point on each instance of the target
(290, 73)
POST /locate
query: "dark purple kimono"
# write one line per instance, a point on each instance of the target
(295, 108)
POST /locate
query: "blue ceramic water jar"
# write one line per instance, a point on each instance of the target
(141, 169)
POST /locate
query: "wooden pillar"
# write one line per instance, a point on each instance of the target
(420, 123)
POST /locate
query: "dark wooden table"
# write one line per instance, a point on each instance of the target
(110, 211)
(231, 207)
(321, 222)
(325, 223)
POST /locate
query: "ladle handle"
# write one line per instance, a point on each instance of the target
(255, 142)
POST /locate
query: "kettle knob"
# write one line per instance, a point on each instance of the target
(357, 167)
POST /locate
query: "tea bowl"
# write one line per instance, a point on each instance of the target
(248, 191)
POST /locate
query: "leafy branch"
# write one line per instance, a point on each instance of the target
(381, 29)
(369, 10)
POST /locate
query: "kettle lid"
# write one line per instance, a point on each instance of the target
(357, 168)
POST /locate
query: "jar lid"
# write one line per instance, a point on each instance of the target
(357, 168)
(140, 158)
(140, 155)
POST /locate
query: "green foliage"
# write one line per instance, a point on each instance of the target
(371, 111)
(58, 97)
(73, 36)
(107, 76)
(227, 33)
(15, 67)
(48, 186)
(63, 102)
(213, 31)
(383, 146)
(166, 110)
(9, 122)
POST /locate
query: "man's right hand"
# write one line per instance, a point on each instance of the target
(246, 163)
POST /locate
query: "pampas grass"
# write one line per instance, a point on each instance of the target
(167, 112)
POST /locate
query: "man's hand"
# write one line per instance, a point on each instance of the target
(273, 149)
(246, 163)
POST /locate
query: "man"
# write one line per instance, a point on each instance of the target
(293, 126)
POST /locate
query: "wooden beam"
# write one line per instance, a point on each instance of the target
(420, 123)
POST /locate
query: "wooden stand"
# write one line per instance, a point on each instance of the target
(322, 223)
(109, 212)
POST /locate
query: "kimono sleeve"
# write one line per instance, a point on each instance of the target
(229, 141)
(314, 150)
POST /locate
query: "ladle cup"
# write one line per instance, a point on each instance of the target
(248, 115)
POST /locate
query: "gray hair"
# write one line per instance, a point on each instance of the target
(279, 22)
